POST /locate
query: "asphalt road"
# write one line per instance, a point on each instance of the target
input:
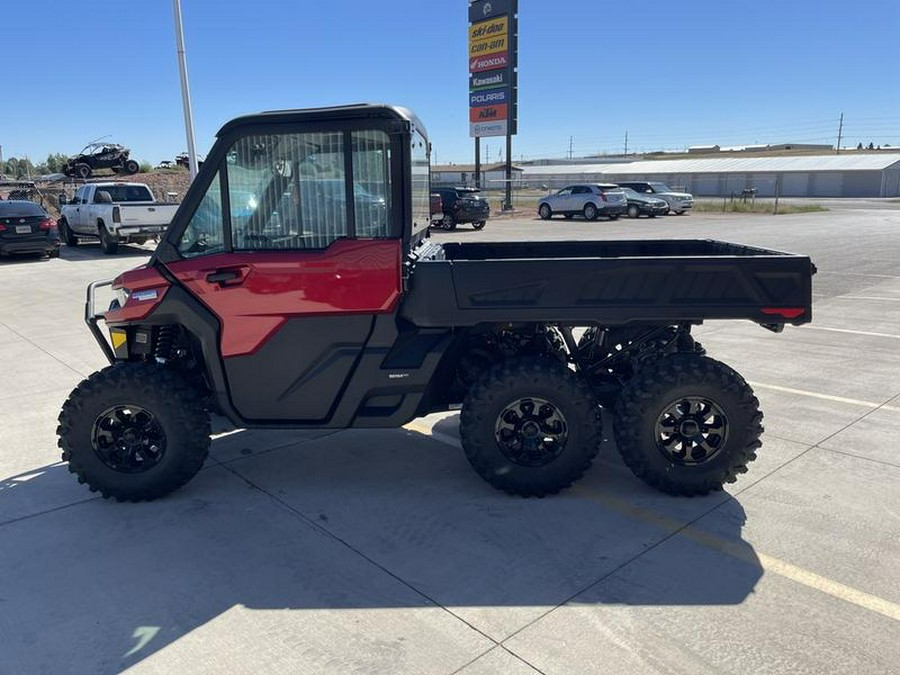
(383, 552)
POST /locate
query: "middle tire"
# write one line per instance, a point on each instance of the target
(530, 426)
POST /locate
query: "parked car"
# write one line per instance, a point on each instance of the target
(678, 202)
(100, 156)
(644, 205)
(125, 213)
(437, 208)
(590, 200)
(26, 228)
(462, 205)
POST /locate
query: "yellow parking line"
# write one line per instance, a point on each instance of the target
(743, 552)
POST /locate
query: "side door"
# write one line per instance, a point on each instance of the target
(78, 214)
(562, 200)
(273, 251)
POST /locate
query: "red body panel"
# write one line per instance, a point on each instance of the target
(140, 279)
(350, 276)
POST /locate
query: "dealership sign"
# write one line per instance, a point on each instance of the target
(493, 35)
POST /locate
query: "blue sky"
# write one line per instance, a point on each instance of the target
(671, 74)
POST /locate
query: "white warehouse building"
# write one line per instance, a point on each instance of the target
(851, 175)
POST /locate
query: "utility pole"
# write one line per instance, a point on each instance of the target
(626, 144)
(571, 138)
(840, 132)
(185, 91)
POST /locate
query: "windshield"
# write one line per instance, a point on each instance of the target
(660, 187)
(630, 193)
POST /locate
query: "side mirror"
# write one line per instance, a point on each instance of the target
(103, 197)
(62, 200)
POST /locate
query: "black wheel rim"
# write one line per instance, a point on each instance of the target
(128, 439)
(531, 432)
(691, 431)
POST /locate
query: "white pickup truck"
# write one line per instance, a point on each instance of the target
(117, 213)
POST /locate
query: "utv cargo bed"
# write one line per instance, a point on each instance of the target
(608, 282)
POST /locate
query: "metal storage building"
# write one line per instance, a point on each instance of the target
(853, 175)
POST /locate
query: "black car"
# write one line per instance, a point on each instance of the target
(644, 204)
(461, 205)
(26, 228)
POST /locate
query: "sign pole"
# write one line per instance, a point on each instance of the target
(478, 162)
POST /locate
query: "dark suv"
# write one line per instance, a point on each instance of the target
(462, 205)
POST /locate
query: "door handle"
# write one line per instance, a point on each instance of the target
(222, 277)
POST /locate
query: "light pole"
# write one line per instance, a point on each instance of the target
(185, 91)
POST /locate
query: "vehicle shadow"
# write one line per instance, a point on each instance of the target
(350, 522)
(90, 250)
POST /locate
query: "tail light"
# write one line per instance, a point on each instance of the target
(46, 224)
(2, 228)
(117, 215)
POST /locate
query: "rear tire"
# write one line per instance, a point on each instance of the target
(530, 426)
(687, 425)
(109, 243)
(479, 225)
(134, 432)
(447, 222)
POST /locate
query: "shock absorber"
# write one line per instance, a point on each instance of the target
(165, 341)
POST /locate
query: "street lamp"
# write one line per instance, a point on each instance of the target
(185, 91)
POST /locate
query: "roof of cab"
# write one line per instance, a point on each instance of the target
(343, 112)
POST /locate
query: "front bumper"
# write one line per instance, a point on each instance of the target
(92, 317)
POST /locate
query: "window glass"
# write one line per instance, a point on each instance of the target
(287, 191)
(371, 183)
(421, 212)
(205, 233)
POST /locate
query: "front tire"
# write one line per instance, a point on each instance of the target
(82, 171)
(479, 225)
(447, 222)
(530, 427)
(687, 425)
(134, 432)
(590, 211)
(633, 211)
(131, 167)
(545, 212)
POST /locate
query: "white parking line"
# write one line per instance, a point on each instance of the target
(865, 297)
(824, 397)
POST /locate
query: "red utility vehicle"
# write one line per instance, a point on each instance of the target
(296, 287)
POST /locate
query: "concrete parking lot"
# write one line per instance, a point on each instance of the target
(383, 552)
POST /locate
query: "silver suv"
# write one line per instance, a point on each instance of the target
(589, 200)
(679, 202)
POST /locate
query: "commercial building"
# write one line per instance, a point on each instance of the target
(875, 174)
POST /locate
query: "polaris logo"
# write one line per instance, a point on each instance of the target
(397, 376)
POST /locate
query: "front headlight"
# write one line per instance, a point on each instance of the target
(122, 295)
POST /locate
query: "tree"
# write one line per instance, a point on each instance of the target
(871, 146)
(859, 147)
